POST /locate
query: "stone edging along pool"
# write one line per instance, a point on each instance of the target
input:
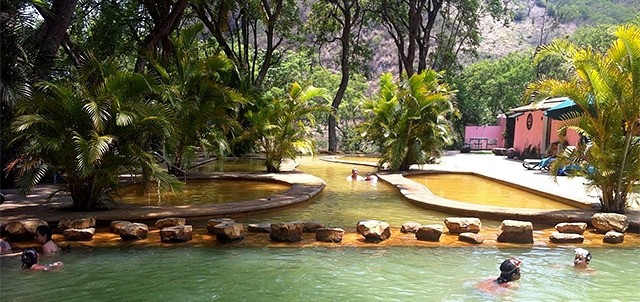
(419, 195)
(303, 187)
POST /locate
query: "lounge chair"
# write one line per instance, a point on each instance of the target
(545, 163)
(534, 164)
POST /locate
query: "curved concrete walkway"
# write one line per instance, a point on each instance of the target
(498, 168)
(303, 187)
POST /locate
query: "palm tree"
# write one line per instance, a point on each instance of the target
(202, 107)
(607, 89)
(19, 71)
(409, 122)
(90, 130)
(282, 127)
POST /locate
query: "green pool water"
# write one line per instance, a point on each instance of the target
(332, 273)
(319, 274)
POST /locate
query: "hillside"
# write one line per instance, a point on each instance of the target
(534, 25)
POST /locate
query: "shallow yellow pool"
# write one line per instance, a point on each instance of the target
(480, 190)
(208, 192)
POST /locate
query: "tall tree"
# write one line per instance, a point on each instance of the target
(413, 25)
(165, 16)
(341, 22)
(606, 87)
(458, 29)
(18, 72)
(237, 26)
(201, 106)
(53, 30)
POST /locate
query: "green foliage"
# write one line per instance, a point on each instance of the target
(597, 37)
(202, 108)
(594, 11)
(90, 129)
(282, 127)
(490, 87)
(607, 89)
(109, 27)
(409, 121)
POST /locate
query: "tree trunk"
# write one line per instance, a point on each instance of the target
(52, 32)
(345, 42)
(166, 17)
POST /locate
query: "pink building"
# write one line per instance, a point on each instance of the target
(528, 127)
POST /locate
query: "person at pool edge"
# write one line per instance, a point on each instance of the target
(582, 258)
(43, 236)
(509, 272)
(29, 260)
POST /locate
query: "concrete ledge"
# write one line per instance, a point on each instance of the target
(303, 187)
(419, 195)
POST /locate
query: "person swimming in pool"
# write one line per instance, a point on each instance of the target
(43, 236)
(370, 177)
(354, 175)
(29, 260)
(509, 272)
(581, 259)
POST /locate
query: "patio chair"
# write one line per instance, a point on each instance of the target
(545, 163)
(534, 164)
(492, 143)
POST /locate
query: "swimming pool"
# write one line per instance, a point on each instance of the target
(210, 273)
(207, 191)
(481, 190)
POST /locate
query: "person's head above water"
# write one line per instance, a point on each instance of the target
(29, 258)
(43, 233)
(354, 173)
(509, 270)
(582, 258)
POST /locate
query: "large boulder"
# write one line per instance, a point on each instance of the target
(571, 227)
(515, 231)
(117, 225)
(472, 238)
(312, 226)
(76, 223)
(373, 230)
(287, 232)
(215, 221)
(259, 227)
(228, 231)
(329, 234)
(613, 237)
(558, 237)
(430, 232)
(457, 225)
(604, 222)
(134, 231)
(24, 229)
(169, 222)
(79, 234)
(410, 227)
(176, 233)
